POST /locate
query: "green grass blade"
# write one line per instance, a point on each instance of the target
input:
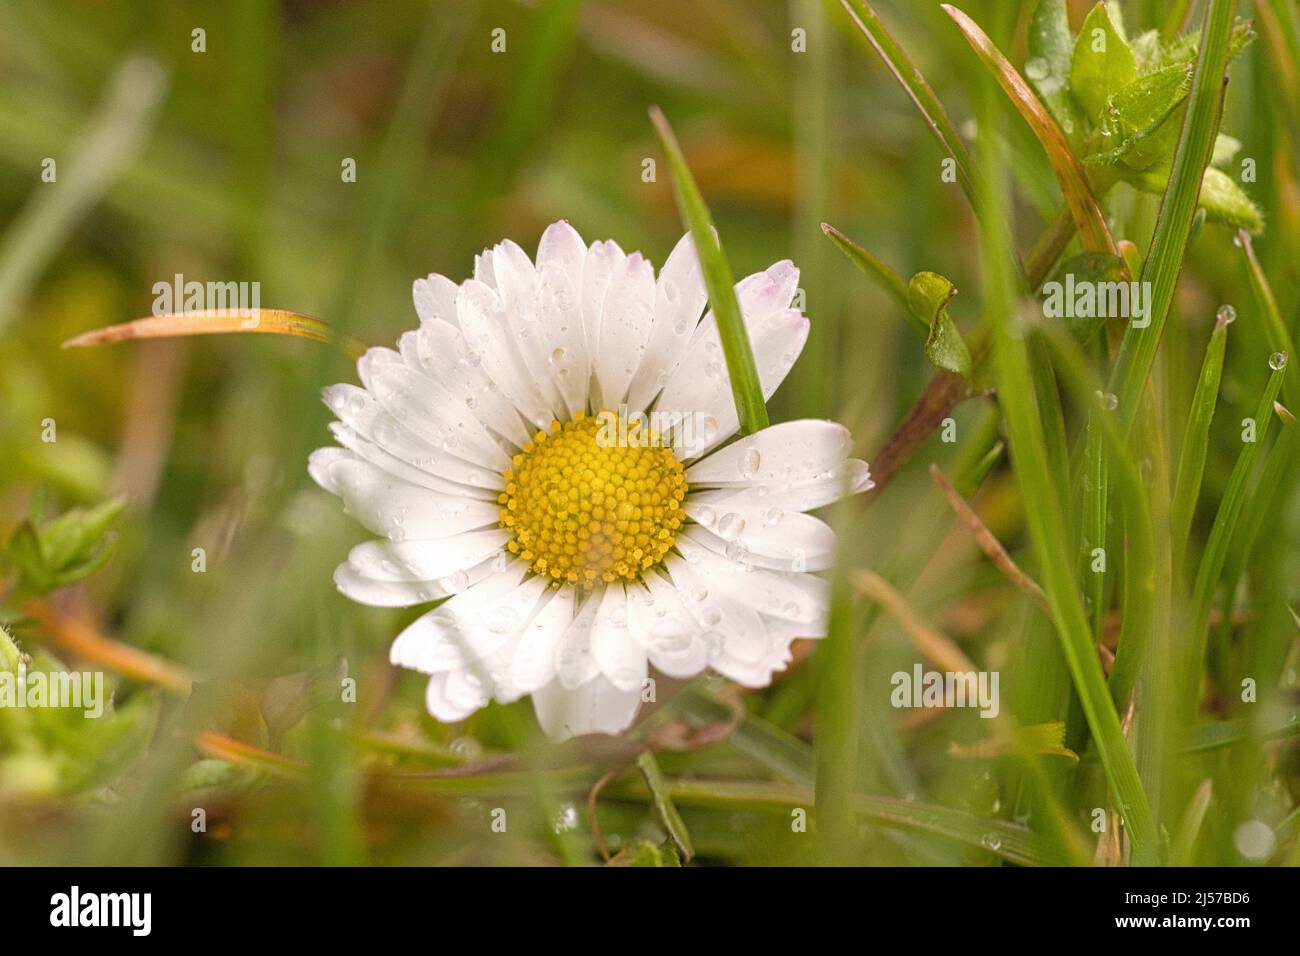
(662, 802)
(917, 89)
(1174, 223)
(1010, 841)
(1196, 440)
(1088, 218)
(119, 129)
(1130, 490)
(1044, 511)
(719, 281)
(879, 272)
(1275, 328)
(1225, 523)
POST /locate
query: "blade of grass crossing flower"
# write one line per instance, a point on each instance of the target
(1225, 523)
(1191, 458)
(718, 279)
(1174, 222)
(1088, 218)
(1044, 510)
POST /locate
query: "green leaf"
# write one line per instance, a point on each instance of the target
(1051, 48)
(24, 552)
(1185, 48)
(1087, 215)
(1228, 203)
(65, 550)
(1102, 64)
(928, 294)
(1221, 198)
(1144, 118)
(875, 269)
(718, 279)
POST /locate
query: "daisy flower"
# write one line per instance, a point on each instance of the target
(549, 452)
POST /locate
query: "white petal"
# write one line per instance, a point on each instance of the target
(450, 708)
(759, 295)
(359, 411)
(435, 299)
(625, 321)
(789, 596)
(431, 413)
(560, 318)
(799, 542)
(700, 386)
(562, 247)
(574, 662)
(471, 624)
(397, 509)
(849, 477)
(517, 286)
(670, 635)
(533, 665)
(356, 585)
(483, 269)
(618, 656)
(373, 453)
(490, 338)
(790, 452)
(603, 258)
(428, 560)
(680, 296)
(447, 359)
(594, 707)
(723, 618)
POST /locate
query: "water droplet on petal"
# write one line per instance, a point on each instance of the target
(749, 463)
(730, 526)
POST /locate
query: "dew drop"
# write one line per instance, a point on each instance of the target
(736, 552)
(1227, 314)
(730, 525)
(711, 616)
(1036, 68)
(773, 517)
(749, 463)
(706, 516)
(699, 595)
(1277, 361)
(503, 620)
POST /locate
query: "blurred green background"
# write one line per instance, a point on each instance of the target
(226, 165)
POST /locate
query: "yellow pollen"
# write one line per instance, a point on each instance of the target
(593, 500)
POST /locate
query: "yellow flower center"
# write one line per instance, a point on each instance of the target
(595, 499)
